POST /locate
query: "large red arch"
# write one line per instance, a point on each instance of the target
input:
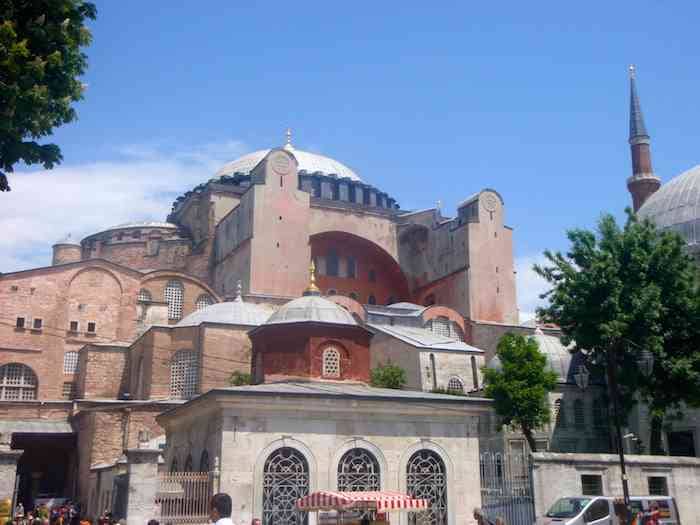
(389, 283)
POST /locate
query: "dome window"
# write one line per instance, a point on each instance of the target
(203, 301)
(174, 293)
(17, 382)
(331, 363)
(143, 295)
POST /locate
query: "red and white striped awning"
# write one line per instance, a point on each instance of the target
(379, 501)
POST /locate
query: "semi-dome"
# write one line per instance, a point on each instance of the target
(312, 308)
(235, 312)
(676, 206)
(310, 162)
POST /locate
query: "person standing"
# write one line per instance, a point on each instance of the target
(220, 508)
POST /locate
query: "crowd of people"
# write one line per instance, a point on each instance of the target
(67, 513)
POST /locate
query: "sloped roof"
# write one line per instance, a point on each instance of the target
(425, 339)
(235, 312)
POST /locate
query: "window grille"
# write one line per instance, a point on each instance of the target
(73, 326)
(426, 478)
(285, 480)
(143, 295)
(455, 385)
(91, 328)
(17, 382)
(20, 322)
(173, 296)
(560, 413)
(440, 326)
(457, 332)
(69, 390)
(184, 372)
(70, 363)
(204, 462)
(37, 324)
(579, 414)
(658, 486)
(203, 301)
(591, 485)
(331, 362)
(358, 470)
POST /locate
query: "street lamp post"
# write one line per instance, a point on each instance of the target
(645, 362)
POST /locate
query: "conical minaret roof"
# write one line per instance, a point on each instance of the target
(638, 129)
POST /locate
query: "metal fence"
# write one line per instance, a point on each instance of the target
(183, 497)
(506, 488)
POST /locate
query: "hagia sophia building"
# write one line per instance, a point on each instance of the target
(134, 333)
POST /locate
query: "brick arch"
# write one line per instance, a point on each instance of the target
(377, 272)
(435, 311)
(95, 295)
(159, 274)
(96, 269)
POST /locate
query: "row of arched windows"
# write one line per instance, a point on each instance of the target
(18, 382)
(286, 479)
(561, 415)
(174, 295)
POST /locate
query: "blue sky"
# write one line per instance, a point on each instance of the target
(427, 101)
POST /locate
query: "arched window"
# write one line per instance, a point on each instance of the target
(139, 378)
(560, 413)
(331, 362)
(203, 301)
(598, 414)
(332, 263)
(17, 382)
(173, 296)
(143, 295)
(358, 470)
(433, 370)
(173, 466)
(332, 291)
(455, 385)
(188, 464)
(285, 480)
(184, 374)
(70, 363)
(441, 326)
(579, 414)
(475, 374)
(372, 300)
(204, 462)
(426, 478)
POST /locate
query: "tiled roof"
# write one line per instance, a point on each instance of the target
(424, 338)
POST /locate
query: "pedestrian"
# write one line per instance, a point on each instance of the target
(479, 516)
(220, 508)
(500, 521)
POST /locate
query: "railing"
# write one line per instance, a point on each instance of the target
(183, 497)
(506, 488)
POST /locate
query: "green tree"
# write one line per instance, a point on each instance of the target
(622, 291)
(40, 62)
(388, 376)
(519, 389)
(239, 378)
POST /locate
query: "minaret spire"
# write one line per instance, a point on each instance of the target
(643, 182)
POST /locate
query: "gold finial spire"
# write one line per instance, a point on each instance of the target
(632, 70)
(312, 289)
(239, 291)
(288, 142)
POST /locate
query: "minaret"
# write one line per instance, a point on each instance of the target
(643, 182)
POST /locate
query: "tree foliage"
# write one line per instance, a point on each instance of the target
(621, 291)
(519, 389)
(239, 378)
(40, 62)
(388, 375)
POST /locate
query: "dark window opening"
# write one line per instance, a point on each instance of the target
(91, 328)
(475, 374)
(74, 326)
(681, 443)
(658, 486)
(37, 324)
(372, 276)
(20, 322)
(372, 300)
(591, 485)
(352, 268)
(332, 263)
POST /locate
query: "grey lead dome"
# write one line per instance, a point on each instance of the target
(312, 308)
(676, 206)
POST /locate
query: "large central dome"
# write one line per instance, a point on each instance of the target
(310, 162)
(676, 206)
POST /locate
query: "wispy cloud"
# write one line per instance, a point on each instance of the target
(530, 285)
(44, 206)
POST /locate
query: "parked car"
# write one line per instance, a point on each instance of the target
(599, 510)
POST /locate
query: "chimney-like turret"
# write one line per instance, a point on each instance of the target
(643, 182)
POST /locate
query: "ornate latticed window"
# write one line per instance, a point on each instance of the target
(457, 332)
(426, 478)
(441, 326)
(143, 295)
(331, 362)
(17, 382)
(560, 413)
(358, 470)
(203, 301)
(70, 362)
(579, 414)
(204, 462)
(455, 385)
(184, 372)
(173, 296)
(285, 480)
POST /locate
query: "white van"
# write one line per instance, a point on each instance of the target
(598, 510)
